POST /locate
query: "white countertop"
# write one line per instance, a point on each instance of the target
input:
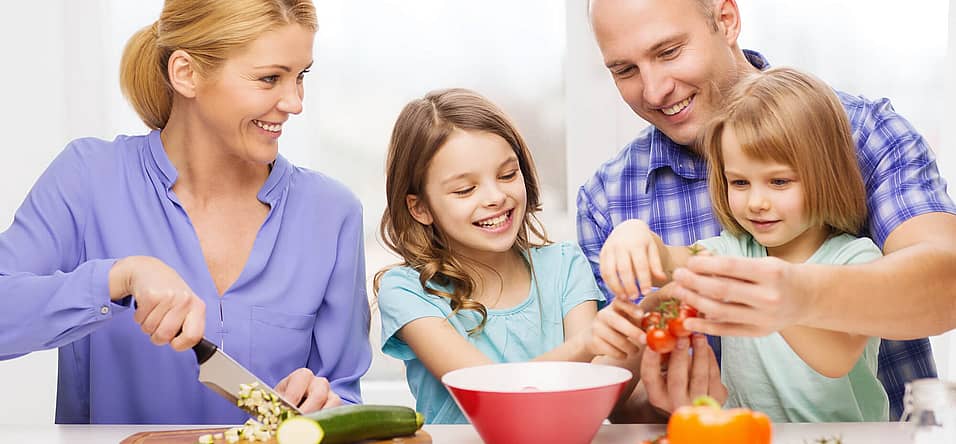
(862, 433)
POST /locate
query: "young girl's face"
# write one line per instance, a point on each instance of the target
(767, 199)
(475, 193)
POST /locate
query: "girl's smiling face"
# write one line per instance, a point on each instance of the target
(474, 193)
(768, 200)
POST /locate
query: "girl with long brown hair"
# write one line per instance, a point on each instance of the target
(479, 282)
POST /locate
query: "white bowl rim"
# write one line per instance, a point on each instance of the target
(617, 375)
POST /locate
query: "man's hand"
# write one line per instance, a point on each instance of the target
(689, 374)
(743, 296)
(307, 391)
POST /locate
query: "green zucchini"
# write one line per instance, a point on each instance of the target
(350, 423)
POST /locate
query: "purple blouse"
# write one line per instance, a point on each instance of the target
(300, 301)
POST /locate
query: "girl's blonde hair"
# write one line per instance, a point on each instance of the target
(793, 118)
(422, 128)
(209, 30)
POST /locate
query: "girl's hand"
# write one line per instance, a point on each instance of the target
(616, 332)
(307, 391)
(631, 257)
(167, 310)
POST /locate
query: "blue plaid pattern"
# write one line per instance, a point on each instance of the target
(664, 184)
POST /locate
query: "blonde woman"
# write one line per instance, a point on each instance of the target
(785, 183)
(202, 223)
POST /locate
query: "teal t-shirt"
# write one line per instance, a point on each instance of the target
(765, 374)
(562, 279)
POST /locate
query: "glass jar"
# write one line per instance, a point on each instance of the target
(931, 405)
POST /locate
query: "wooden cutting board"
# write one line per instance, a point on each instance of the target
(192, 437)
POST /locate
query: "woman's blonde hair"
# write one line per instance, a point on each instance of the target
(422, 128)
(790, 117)
(209, 30)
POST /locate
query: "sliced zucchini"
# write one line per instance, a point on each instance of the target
(299, 430)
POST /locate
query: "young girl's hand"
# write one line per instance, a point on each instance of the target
(631, 258)
(616, 331)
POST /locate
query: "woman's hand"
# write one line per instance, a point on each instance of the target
(167, 310)
(616, 330)
(631, 258)
(307, 391)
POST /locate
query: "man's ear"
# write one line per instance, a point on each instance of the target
(182, 77)
(418, 209)
(727, 16)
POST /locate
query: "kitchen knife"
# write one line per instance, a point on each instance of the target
(223, 375)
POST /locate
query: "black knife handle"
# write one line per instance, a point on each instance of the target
(204, 350)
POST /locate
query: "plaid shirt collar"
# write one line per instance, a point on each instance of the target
(665, 153)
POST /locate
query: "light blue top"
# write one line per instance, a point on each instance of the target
(561, 281)
(765, 374)
(300, 300)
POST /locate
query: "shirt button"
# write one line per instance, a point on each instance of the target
(104, 309)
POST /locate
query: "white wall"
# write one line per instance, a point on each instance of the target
(32, 121)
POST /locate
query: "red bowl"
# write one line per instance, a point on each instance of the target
(537, 402)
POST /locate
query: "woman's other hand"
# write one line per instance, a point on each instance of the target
(167, 310)
(307, 391)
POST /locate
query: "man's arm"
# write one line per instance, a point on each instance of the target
(909, 293)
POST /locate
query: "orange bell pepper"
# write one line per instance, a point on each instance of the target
(706, 422)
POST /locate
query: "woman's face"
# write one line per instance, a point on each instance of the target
(248, 99)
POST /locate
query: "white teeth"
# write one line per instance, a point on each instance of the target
(493, 222)
(676, 108)
(273, 127)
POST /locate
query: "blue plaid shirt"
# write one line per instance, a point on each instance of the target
(665, 184)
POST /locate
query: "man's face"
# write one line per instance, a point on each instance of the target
(667, 59)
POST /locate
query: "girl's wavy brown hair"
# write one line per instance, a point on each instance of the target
(793, 118)
(422, 128)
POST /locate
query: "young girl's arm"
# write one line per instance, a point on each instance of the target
(577, 331)
(442, 349)
(634, 256)
(830, 353)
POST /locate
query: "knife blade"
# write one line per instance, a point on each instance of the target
(223, 375)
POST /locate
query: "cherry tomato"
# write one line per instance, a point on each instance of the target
(686, 311)
(660, 340)
(650, 319)
(676, 327)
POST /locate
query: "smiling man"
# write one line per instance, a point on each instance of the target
(671, 60)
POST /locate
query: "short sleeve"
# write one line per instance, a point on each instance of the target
(580, 285)
(857, 251)
(401, 299)
(727, 244)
